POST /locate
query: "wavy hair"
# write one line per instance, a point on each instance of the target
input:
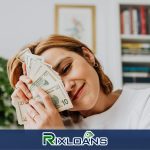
(14, 66)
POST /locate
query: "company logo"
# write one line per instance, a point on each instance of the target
(49, 138)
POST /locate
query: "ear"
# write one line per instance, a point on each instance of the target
(88, 55)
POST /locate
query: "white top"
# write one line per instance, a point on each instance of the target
(130, 111)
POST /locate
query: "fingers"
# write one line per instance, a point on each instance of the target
(24, 69)
(31, 113)
(46, 99)
(25, 79)
(29, 119)
(22, 89)
(19, 95)
(37, 106)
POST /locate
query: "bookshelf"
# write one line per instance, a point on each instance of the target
(134, 25)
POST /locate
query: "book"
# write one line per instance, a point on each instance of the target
(134, 14)
(148, 20)
(131, 20)
(135, 80)
(136, 58)
(133, 68)
(136, 74)
(132, 45)
(139, 21)
(143, 19)
(121, 23)
(136, 51)
(126, 22)
(135, 48)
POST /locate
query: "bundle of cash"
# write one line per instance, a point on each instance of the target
(43, 76)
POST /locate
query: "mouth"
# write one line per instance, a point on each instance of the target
(78, 93)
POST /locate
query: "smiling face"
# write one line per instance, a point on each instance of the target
(80, 79)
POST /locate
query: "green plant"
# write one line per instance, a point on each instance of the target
(7, 112)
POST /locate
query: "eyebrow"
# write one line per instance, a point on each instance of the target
(59, 63)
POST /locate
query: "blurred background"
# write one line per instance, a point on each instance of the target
(117, 31)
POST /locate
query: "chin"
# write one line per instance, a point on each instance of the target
(84, 107)
(87, 103)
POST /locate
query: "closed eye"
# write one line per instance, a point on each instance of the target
(66, 69)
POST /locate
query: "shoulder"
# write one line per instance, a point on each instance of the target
(134, 99)
(136, 102)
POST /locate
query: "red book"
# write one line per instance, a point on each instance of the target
(143, 19)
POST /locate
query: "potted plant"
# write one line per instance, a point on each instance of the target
(7, 111)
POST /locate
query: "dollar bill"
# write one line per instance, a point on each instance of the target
(45, 77)
(23, 54)
(59, 98)
(20, 111)
(49, 67)
(29, 60)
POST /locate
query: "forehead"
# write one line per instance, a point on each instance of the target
(54, 55)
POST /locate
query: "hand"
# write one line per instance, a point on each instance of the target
(42, 116)
(21, 91)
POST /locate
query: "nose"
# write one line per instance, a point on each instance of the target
(69, 85)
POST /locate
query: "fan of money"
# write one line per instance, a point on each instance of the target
(43, 76)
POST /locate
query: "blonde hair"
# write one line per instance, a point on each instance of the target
(14, 66)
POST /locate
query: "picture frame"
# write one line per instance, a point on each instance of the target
(77, 21)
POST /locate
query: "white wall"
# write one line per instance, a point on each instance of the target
(23, 21)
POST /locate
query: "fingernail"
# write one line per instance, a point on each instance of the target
(29, 95)
(31, 101)
(26, 101)
(28, 80)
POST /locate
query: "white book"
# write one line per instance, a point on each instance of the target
(136, 74)
(135, 21)
(126, 22)
(135, 58)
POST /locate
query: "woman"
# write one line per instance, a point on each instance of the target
(95, 105)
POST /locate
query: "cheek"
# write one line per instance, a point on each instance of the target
(93, 85)
(92, 78)
(79, 72)
(92, 89)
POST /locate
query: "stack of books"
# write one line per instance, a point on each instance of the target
(136, 73)
(135, 48)
(135, 20)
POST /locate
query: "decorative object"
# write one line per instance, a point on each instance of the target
(77, 21)
(7, 112)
